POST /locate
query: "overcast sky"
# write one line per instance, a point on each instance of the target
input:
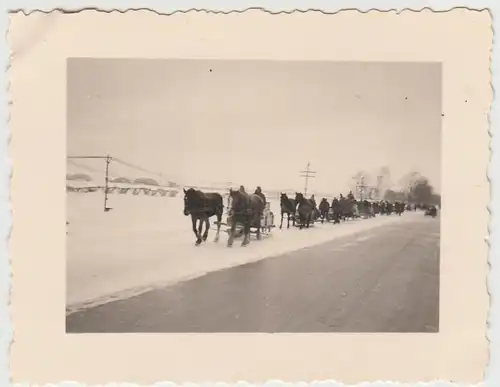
(258, 122)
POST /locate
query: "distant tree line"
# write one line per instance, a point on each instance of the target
(415, 188)
(419, 191)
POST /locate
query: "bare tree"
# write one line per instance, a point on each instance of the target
(385, 178)
(422, 191)
(409, 179)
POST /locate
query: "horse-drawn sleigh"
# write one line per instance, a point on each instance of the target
(246, 214)
(266, 223)
(431, 211)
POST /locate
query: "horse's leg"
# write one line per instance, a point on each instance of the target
(246, 232)
(207, 227)
(200, 229)
(288, 220)
(193, 221)
(230, 240)
(219, 220)
(258, 228)
(281, 223)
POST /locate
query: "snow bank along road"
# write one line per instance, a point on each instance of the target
(384, 279)
(146, 242)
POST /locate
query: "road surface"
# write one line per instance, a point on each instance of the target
(381, 280)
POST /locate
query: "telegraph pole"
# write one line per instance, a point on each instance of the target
(361, 187)
(106, 184)
(307, 174)
(379, 187)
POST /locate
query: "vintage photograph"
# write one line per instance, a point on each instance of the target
(252, 196)
(196, 199)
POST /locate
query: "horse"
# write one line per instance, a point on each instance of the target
(202, 206)
(288, 207)
(383, 207)
(305, 210)
(316, 214)
(247, 210)
(399, 208)
(337, 211)
(324, 208)
(367, 209)
(347, 208)
(355, 209)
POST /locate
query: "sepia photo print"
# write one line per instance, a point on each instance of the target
(195, 199)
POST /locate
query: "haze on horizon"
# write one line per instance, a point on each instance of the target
(258, 122)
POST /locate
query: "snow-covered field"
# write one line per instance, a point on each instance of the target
(145, 242)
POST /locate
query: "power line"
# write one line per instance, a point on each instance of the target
(85, 167)
(89, 169)
(115, 159)
(307, 174)
(86, 157)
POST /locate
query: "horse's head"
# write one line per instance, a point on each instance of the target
(189, 200)
(238, 200)
(298, 197)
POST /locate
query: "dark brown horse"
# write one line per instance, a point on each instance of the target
(337, 210)
(324, 208)
(288, 207)
(305, 209)
(246, 210)
(202, 206)
(366, 209)
(399, 208)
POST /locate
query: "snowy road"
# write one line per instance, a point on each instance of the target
(146, 243)
(384, 278)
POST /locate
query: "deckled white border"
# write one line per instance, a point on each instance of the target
(274, 6)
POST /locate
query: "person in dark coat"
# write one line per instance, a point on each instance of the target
(258, 191)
